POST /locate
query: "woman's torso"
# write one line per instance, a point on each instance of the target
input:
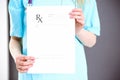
(81, 66)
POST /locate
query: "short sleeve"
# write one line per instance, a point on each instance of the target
(92, 22)
(16, 13)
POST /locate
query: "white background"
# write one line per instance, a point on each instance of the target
(3, 41)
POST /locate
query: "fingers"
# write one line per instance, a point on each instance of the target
(23, 68)
(78, 15)
(81, 21)
(76, 12)
(23, 63)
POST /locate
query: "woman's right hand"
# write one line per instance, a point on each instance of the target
(23, 63)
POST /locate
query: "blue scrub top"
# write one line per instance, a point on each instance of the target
(18, 28)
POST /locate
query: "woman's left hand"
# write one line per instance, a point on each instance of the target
(78, 15)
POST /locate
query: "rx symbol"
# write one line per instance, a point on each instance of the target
(39, 18)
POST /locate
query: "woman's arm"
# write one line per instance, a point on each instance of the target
(23, 63)
(15, 47)
(86, 37)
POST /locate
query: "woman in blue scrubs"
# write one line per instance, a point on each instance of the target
(87, 29)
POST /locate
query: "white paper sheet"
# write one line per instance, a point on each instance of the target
(50, 39)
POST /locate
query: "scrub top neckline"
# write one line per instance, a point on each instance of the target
(75, 1)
